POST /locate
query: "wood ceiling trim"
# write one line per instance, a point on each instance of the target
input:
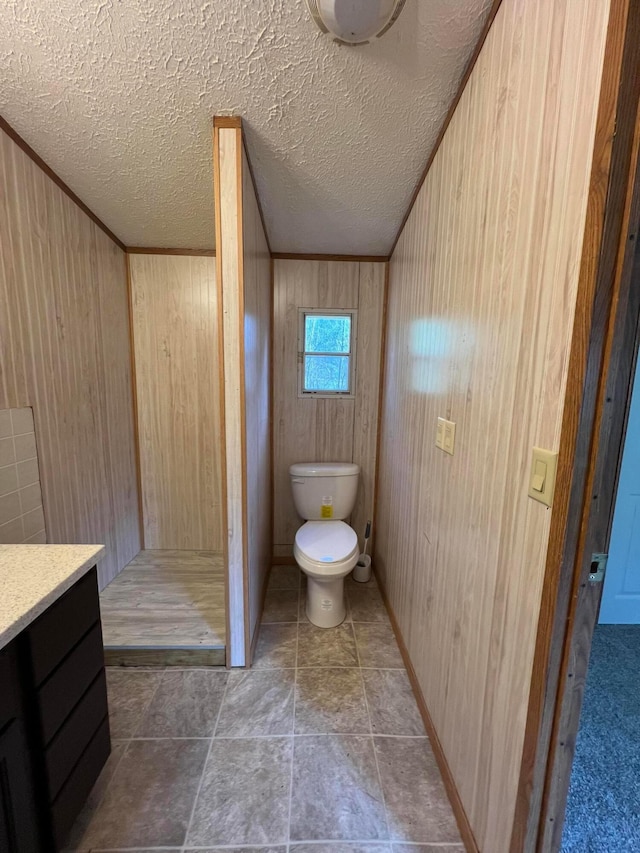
(303, 256)
(150, 250)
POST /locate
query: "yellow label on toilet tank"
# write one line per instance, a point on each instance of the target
(326, 511)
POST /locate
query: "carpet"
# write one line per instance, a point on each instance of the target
(603, 809)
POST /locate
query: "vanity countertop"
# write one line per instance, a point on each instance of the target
(33, 577)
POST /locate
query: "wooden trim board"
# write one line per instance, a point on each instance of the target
(149, 250)
(28, 150)
(447, 777)
(243, 400)
(602, 231)
(303, 256)
(223, 424)
(134, 397)
(383, 364)
(177, 656)
(463, 82)
(227, 122)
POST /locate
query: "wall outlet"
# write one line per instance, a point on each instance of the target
(440, 433)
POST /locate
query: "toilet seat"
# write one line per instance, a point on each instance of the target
(326, 548)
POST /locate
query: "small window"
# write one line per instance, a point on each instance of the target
(326, 360)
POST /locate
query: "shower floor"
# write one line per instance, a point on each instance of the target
(166, 608)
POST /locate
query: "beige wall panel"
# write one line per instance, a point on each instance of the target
(175, 331)
(324, 430)
(64, 350)
(257, 377)
(481, 301)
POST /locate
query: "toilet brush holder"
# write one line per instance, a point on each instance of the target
(362, 570)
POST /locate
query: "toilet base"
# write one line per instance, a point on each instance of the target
(325, 602)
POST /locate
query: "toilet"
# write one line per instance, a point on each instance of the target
(325, 547)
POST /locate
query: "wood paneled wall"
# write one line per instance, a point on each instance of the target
(257, 378)
(64, 350)
(482, 294)
(325, 430)
(175, 331)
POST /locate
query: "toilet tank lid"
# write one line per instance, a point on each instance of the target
(324, 469)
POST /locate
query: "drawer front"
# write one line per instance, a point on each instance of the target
(9, 698)
(60, 627)
(79, 784)
(58, 696)
(77, 731)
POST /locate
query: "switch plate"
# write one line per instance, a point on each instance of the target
(449, 437)
(542, 477)
(446, 435)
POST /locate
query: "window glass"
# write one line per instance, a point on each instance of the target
(326, 373)
(326, 352)
(327, 334)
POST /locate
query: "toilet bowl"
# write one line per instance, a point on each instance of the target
(326, 551)
(325, 547)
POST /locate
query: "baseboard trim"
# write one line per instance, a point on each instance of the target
(464, 826)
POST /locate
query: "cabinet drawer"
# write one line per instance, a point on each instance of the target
(70, 742)
(58, 695)
(9, 700)
(60, 627)
(76, 789)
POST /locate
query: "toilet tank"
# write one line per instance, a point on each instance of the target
(324, 489)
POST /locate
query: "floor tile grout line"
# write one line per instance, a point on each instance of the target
(204, 766)
(373, 744)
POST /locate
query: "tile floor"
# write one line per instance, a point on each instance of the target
(318, 749)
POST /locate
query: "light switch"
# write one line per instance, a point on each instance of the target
(539, 476)
(446, 435)
(449, 437)
(542, 479)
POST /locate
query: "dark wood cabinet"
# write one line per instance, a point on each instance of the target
(19, 823)
(54, 725)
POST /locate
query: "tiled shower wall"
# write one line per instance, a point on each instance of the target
(21, 512)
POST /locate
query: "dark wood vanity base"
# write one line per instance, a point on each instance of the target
(54, 725)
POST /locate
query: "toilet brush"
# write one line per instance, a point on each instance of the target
(362, 571)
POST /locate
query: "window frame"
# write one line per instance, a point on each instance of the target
(352, 313)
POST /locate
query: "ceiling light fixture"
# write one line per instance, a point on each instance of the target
(355, 22)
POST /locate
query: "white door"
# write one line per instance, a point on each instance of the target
(621, 594)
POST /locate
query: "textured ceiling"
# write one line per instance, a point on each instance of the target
(117, 96)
